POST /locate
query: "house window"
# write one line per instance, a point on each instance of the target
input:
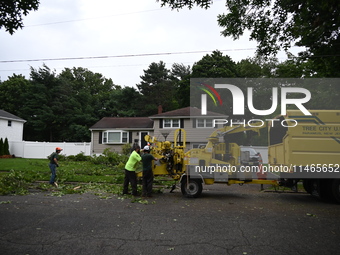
(115, 137)
(9, 123)
(171, 123)
(204, 123)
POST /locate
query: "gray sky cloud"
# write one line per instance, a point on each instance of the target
(84, 28)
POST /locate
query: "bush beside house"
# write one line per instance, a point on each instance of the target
(4, 149)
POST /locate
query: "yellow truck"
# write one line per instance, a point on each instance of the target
(222, 161)
(219, 161)
(308, 151)
(301, 148)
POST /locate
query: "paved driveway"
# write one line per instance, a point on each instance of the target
(225, 220)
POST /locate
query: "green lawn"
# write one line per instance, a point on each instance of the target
(70, 171)
(18, 175)
(22, 176)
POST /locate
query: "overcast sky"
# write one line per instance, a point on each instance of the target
(118, 39)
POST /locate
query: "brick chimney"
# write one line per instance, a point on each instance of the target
(160, 109)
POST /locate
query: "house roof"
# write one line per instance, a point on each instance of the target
(140, 123)
(186, 112)
(9, 116)
(136, 123)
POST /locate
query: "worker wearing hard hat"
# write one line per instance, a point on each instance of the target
(53, 165)
(147, 159)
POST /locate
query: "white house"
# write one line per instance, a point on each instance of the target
(11, 127)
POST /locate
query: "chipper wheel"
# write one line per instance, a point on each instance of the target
(192, 188)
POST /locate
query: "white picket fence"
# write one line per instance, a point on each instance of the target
(26, 149)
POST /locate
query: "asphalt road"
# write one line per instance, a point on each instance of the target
(224, 220)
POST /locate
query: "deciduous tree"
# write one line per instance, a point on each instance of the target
(277, 24)
(12, 12)
(214, 65)
(12, 94)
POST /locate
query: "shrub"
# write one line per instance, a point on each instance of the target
(61, 157)
(126, 149)
(112, 157)
(81, 157)
(1, 147)
(71, 158)
(14, 183)
(120, 166)
(109, 158)
(99, 160)
(6, 147)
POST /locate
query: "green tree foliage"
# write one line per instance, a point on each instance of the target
(121, 102)
(12, 12)
(214, 65)
(179, 4)
(1, 147)
(268, 65)
(43, 108)
(180, 75)
(128, 102)
(173, 87)
(327, 93)
(63, 107)
(277, 24)
(6, 147)
(81, 101)
(179, 71)
(157, 89)
(13, 94)
(290, 68)
(248, 68)
(258, 67)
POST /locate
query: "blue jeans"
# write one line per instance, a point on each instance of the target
(53, 168)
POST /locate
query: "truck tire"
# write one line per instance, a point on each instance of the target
(192, 189)
(321, 189)
(307, 185)
(335, 187)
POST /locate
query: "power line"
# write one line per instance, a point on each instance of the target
(118, 56)
(94, 67)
